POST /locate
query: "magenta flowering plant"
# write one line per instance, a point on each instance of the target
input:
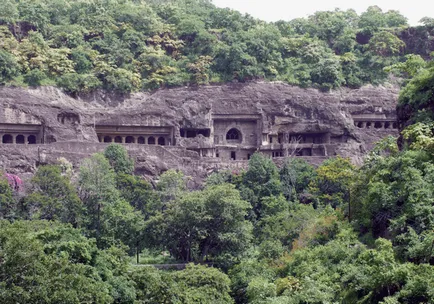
(14, 181)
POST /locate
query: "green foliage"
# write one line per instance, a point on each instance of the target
(35, 78)
(110, 218)
(395, 194)
(119, 159)
(385, 44)
(195, 284)
(171, 185)
(9, 67)
(409, 68)
(74, 83)
(46, 262)
(295, 176)
(416, 98)
(128, 45)
(200, 284)
(332, 182)
(7, 202)
(206, 224)
(53, 198)
(260, 180)
(420, 136)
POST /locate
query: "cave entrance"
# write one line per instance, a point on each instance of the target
(31, 139)
(20, 139)
(7, 139)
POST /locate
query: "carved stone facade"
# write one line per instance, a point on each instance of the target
(195, 130)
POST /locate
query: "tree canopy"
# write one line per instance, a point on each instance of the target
(131, 45)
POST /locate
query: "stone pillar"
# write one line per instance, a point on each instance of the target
(1, 138)
(146, 139)
(382, 125)
(363, 124)
(113, 139)
(14, 138)
(135, 139)
(327, 138)
(26, 139)
(123, 139)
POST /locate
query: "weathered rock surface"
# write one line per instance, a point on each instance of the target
(68, 125)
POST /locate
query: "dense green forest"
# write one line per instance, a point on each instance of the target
(299, 234)
(132, 45)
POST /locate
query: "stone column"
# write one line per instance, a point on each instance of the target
(1, 138)
(382, 125)
(14, 138)
(363, 124)
(113, 139)
(123, 139)
(327, 138)
(135, 139)
(26, 139)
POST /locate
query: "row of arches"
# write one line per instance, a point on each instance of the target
(18, 139)
(376, 124)
(142, 140)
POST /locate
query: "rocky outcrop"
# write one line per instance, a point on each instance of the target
(68, 125)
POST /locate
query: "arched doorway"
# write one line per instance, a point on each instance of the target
(233, 136)
(141, 140)
(31, 140)
(20, 139)
(107, 139)
(118, 139)
(161, 141)
(151, 140)
(7, 139)
(129, 140)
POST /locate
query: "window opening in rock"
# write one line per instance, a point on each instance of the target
(141, 140)
(307, 152)
(368, 125)
(151, 140)
(31, 139)
(129, 140)
(395, 125)
(107, 139)
(233, 135)
(118, 139)
(387, 125)
(20, 139)
(7, 139)
(162, 141)
(377, 125)
(233, 155)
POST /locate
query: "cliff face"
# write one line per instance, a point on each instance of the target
(194, 129)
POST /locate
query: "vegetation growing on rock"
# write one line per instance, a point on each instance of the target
(131, 45)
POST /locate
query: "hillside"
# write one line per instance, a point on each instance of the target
(127, 46)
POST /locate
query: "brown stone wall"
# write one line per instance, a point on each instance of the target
(247, 128)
